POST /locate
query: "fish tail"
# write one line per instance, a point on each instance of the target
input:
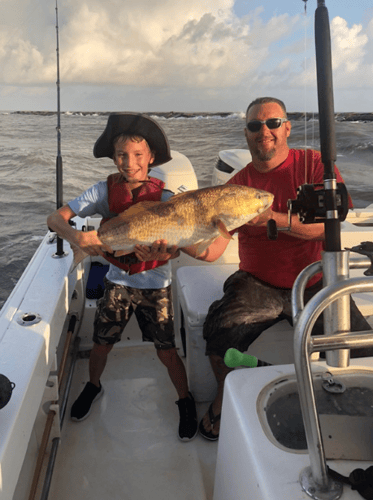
(79, 256)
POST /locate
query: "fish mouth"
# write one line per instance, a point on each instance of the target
(266, 199)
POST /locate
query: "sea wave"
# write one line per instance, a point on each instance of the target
(172, 115)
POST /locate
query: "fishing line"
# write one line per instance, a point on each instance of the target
(306, 166)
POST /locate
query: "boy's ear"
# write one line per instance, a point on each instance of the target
(152, 158)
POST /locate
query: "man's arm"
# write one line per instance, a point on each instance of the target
(212, 253)
(88, 241)
(298, 230)
(160, 251)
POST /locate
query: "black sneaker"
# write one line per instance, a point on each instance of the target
(83, 405)
(188, 427)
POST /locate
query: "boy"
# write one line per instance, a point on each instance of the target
(135, 142)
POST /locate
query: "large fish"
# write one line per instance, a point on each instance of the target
(192, 218)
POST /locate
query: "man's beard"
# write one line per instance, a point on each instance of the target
(265, 155)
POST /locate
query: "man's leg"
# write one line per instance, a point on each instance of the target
(247, 308)
(220, 371)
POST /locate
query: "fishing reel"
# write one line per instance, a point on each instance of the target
(311, 207)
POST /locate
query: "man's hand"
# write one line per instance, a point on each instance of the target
(262, 219)
(158, 251)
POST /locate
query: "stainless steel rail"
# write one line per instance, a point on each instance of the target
(315, 480)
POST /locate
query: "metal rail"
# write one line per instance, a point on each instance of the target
(315, 480)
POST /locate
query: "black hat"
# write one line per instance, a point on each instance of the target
(133, 124)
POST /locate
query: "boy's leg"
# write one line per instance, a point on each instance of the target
(113, 313)
(176, 370)
(154, 313)
(97, 362)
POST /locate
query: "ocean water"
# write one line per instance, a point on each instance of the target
(28, 151)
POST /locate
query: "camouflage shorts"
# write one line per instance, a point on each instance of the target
(250, 306)
(152, 307)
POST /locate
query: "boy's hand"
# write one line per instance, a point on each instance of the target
(158, 251)
(90, 243)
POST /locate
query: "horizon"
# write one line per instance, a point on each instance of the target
(183, 112)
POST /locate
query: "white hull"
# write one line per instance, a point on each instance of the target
(128, 447)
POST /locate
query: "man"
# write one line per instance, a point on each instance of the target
(135, 143)
(258, 294)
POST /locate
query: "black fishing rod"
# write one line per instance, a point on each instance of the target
(327, 126)
(323, 203)
(59, 188)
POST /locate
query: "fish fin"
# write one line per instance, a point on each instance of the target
(223, 230)
(119, 253)
(182, 195)
(201, 247)
(79, 256)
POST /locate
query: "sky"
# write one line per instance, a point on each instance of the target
(168, 55)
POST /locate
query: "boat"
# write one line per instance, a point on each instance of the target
(45, 338)
(128, 448)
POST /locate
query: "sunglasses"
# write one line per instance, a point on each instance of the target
(272, 123)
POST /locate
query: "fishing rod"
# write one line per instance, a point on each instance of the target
(327, 126)
(59, 186)
(322, 203)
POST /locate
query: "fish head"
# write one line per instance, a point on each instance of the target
(240, 204)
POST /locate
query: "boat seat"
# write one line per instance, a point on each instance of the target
(197, 287)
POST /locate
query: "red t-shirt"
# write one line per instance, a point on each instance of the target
(279, 262)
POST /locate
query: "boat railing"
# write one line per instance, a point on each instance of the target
(315, 479)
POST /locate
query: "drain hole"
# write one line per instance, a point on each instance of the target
(28, 319)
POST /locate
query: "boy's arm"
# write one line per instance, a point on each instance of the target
(158, 251)
(88, 241)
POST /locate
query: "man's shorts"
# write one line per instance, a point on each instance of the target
(152, 307)
(250, 306)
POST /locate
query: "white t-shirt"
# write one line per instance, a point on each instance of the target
(94, 201)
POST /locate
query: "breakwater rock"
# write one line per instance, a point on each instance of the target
(295, 116)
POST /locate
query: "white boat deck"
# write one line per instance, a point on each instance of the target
(128, 447)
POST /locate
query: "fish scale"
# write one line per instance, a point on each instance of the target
(185, 219)
(191, 218)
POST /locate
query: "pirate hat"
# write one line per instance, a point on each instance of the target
(133, 124)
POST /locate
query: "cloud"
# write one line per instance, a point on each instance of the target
(152, 43)
(351, 59)
(202, 50)
(158, 46)
(348, 45)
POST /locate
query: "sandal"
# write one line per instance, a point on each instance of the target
(213, 419)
